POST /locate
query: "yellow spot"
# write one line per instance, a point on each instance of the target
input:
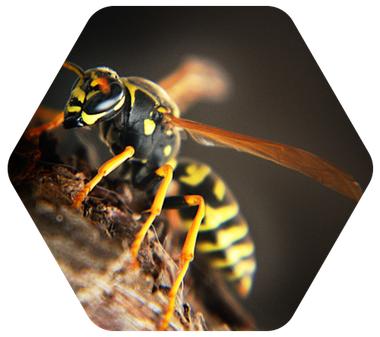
(195, 174)
(91, 119)
(163, 109)
(149, 126)
(224, 238)
(219, 189)
(167, 150)
(95, 82)
(72, 109)
(79, 94)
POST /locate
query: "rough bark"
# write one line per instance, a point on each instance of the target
(92, 247)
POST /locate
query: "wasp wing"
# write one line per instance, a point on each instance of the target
(304, 162)
(195, 80)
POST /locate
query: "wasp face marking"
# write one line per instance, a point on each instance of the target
(79, 94)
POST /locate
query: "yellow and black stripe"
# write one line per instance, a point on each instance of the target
(224, 233)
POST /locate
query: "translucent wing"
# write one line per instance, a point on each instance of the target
(195, 80)
(312, 166)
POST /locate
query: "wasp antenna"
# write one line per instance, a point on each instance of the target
(73, 67)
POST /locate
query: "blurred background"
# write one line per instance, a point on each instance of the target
(278, 94)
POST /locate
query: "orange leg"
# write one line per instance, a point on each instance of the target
(103, 171)
(36, 132)
(166, 172)
(187, 255)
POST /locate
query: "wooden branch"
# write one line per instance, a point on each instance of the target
(91, 245)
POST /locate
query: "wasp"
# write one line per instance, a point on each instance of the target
(140, 123)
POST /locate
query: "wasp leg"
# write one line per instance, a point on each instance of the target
(166, 172)
(36, 132)
(103, 171)
(187, 254)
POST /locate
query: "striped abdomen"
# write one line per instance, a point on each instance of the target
(224, 233)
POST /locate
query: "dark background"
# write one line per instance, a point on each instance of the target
(279, 94)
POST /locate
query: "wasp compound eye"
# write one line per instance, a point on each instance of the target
(101, 102)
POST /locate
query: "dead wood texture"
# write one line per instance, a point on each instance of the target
(91, 245)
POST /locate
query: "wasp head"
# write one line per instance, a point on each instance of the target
(97, 95)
